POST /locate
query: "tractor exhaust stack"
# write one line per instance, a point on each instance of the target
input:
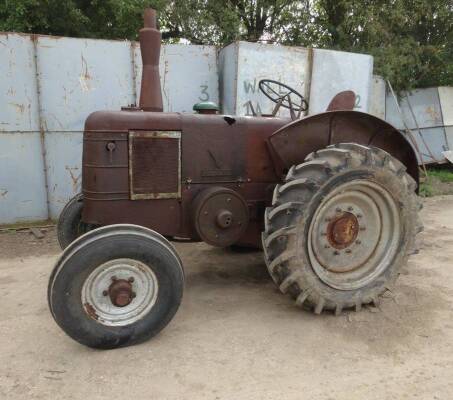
(150, 42)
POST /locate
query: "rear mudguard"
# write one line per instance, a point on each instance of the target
(293, 142)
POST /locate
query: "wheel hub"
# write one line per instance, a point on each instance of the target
(354, 234)
(342, 231)
(121, 293)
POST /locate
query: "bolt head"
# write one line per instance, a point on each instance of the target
(131, 279)
(358, 242)
(348, 251)
(350, 208)
(336, 253)
(338, 210)
(359, 215)
(133, 295)
(105, 293)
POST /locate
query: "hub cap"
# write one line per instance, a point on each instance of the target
(354, 235)
(119, 292)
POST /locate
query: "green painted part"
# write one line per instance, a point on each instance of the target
(206, 105)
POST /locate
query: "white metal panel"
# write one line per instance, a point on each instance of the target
(19, 108)
(257, 61)
(79, 76)
(64, 171)
(22, 186)
(446, 104)
(377, 103)
(449, 137)
(336, 71)
(188, 75)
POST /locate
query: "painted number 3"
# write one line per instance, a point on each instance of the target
(204, 93)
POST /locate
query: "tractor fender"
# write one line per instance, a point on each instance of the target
(293, 142)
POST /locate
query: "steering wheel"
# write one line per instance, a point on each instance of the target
(281, 94)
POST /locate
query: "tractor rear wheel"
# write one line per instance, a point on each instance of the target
(341, 227)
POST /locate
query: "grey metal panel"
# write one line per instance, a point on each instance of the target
(391, 112)
(19, 108)
(435, 138)
(188, 74)
(377, 101)
(335, 71)
(22, 187)
(446, 104)
(425, 107)
(78, 76)
(257, 61)
(64, 171)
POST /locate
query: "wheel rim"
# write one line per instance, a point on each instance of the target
(354, 235)
(119, 292)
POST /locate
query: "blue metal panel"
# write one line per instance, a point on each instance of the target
(64, 171)
(188, 74)
(22, 186)
(78, 76)
(18, 94)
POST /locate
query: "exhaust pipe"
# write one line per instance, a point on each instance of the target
(150, 42)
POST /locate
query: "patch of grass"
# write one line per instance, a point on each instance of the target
(439, 181)
(443, 174)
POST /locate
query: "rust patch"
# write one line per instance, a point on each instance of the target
(343, 230)
(89, 309)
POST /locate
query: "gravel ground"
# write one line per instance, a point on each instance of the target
(235, 337)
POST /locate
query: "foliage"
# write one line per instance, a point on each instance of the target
(438, 181)
(411, 40)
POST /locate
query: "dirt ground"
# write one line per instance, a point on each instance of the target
(235, 337)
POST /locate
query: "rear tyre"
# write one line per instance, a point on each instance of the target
(341, 227)
(116, 286)
(70, 225)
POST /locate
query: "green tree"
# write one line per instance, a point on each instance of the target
(411, 40)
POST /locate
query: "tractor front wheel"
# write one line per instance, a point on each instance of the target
(341, 227)
(116, 286)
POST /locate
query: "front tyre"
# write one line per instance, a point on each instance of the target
(341, 227)
(70, 225)
(116, 286)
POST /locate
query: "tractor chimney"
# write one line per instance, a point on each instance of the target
(150, 41)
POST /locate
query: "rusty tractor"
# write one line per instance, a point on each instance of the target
(330, 198)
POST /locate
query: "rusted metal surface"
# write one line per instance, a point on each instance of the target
(155, 165)
(342, 230)
(220, 216)
(321, 130)
(342, 101)
(120, 292)
(150, 39)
